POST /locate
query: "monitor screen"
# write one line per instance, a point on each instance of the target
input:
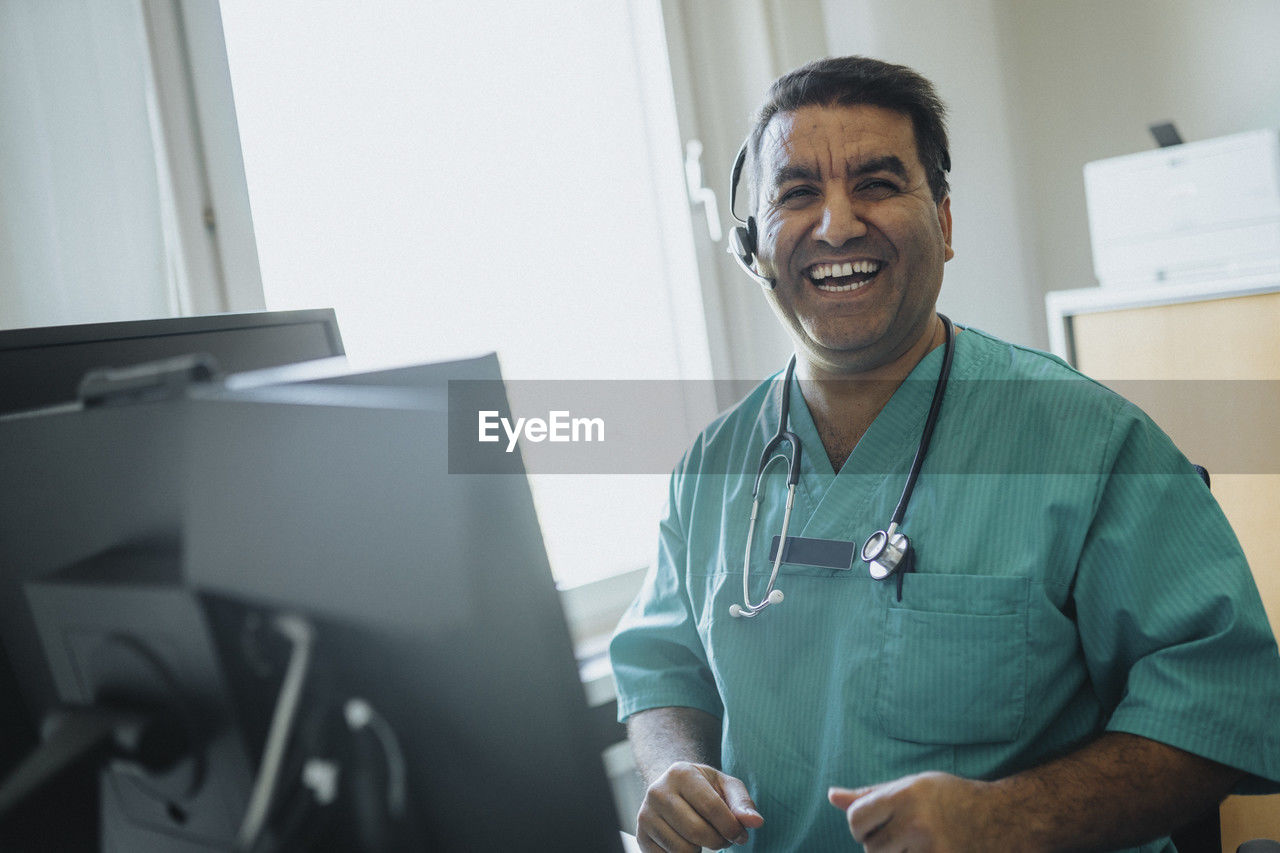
(43, 366)
(439, 672)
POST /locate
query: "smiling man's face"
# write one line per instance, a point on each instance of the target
(850, 232)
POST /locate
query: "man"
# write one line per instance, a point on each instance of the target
(1076, 658)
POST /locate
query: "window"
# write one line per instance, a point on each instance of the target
(458, 178)
(81, 230)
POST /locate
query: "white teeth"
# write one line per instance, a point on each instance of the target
(821, 271)
(844, 288)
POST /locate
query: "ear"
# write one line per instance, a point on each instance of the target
(944, 222)
(762, 267)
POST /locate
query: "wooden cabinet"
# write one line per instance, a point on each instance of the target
(1222, 345)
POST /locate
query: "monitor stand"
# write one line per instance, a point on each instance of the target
(82, 740)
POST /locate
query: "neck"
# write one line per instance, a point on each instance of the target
(844, 406)
(869, 389)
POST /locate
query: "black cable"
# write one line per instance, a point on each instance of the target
(940, 389)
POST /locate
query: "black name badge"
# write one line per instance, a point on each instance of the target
(820, 553)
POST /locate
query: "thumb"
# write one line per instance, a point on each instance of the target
(735, 795)
(842, 798)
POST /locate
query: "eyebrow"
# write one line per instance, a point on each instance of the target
(802, 172)
(888, 163)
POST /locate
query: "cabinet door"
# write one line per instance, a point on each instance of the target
(1227, 407)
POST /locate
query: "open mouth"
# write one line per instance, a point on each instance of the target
(842, 278)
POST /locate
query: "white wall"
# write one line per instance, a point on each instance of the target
(990, 282)
(1088, 77)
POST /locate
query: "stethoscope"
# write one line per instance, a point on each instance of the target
(886, 551)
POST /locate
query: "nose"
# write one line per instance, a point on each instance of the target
(841, 220)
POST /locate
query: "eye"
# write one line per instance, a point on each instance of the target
(877, 188)
(796, 195)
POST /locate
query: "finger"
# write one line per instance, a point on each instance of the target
(710, 807)
(675, 816)
(664, 842)
(647, 843)
(868, 815)
(842, 798)
(663, 835)
(886, 840)
(739, 801)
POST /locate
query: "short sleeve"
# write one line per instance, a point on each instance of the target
(1173, 629)
(657, 655)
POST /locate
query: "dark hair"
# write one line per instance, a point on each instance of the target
(853, 80)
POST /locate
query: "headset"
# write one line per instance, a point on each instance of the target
(742, 238)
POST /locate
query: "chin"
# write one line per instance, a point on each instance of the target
(840, 348)
(840, 360)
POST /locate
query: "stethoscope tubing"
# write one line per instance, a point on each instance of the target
(773, 596)
(930, 421)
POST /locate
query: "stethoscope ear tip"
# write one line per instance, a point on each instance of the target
(736, 610)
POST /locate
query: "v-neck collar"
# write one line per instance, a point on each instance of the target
(884, 451)
(909, 404)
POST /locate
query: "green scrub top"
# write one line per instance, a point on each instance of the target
(1072, 575)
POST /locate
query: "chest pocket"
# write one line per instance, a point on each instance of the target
(953, 668)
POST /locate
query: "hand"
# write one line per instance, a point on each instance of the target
(692, 806)
(926, 813)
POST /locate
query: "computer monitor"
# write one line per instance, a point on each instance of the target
(43, 366)
(438, 668)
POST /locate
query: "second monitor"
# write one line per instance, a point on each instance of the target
(428, 603)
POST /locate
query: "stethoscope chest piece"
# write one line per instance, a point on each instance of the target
(885, 553)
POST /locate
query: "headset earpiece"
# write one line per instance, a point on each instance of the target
(742, 241)
(742, 245)
(743, 238)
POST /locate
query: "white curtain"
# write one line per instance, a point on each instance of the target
(81, 236)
